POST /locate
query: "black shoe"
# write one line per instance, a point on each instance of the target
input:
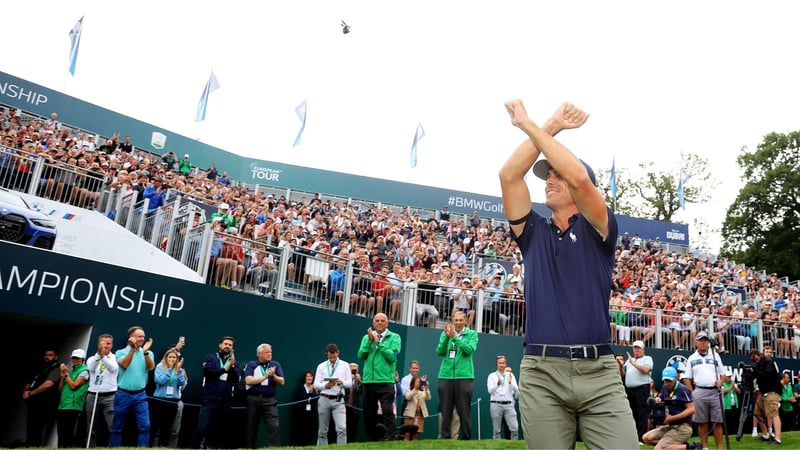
(775, 442)
(380, 431)
(691, 446)
(765, 439)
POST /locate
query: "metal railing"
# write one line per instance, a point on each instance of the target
(180, 229)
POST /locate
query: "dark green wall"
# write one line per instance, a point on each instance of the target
(36, 286)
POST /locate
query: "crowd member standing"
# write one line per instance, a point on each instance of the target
(704, 369)
(103, 371)
(134, 360)
(220, 375)
(73, 386)
(41, 400)
(379, 349)
(416, 407)
(767, 378)
(169, 378)
(457, 344)
(503, 392)
(413, 371)
(331, 379)
(730, 398)
(353, 399)
(262, 378)
(568, 376)
(304, 412)
(636, 375)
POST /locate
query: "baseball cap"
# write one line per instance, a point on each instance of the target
(669, 373)
(78, 353)
(224, 206)
(701, 335)
(542, 167)
(639, 344)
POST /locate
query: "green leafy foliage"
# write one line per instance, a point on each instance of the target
(762, 226)
(651, 191)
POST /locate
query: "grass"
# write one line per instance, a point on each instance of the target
(791, 440)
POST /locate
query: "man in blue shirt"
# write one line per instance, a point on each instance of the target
(134, 361)
(156, 193)
(262, 377)
(568, 374)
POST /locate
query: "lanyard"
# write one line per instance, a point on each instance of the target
(221, 362)
(264, 369)
(332, 368)
(502, 377)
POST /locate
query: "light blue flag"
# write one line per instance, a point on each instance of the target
(682, 179)
(211, 86)
(417, 137)
(74, 43)
(612, 181)
(301, 114)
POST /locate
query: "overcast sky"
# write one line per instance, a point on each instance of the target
(657, 77)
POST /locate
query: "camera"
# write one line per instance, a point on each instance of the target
(354, 371)
(748, 375)
(658, 410)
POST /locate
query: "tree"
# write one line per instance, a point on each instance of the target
(762, 226)
(653, 194)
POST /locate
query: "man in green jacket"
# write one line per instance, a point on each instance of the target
(379, 349)
(456, 374)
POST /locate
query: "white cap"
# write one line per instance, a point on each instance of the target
(639, 344)
(78, 353)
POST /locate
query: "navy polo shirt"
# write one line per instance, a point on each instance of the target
(567, 280)
(258, 370)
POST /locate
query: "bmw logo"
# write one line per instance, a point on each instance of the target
(678, 362)
(491, 269)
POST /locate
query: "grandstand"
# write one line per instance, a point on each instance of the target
(285, 243)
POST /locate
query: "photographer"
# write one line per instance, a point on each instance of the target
(768, 379)
(676, 400)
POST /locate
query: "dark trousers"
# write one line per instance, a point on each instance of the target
(265, 409)
(71, 428)
(353, 417)
(373, 394)
(458, 394)
(211, 417)
(162, 416)
(102, 406)
(637, 399)
(40, 420)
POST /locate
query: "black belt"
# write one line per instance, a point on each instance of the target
(571, 352)
(103, 394)
(502, 403)
(131, 392)
(332, 397)
(706, 387)
(256, 394)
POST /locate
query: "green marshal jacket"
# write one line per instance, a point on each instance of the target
(461, 348)
(380, 359)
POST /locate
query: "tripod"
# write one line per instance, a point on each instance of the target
(745, 411)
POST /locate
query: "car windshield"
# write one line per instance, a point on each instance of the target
(7, 197)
